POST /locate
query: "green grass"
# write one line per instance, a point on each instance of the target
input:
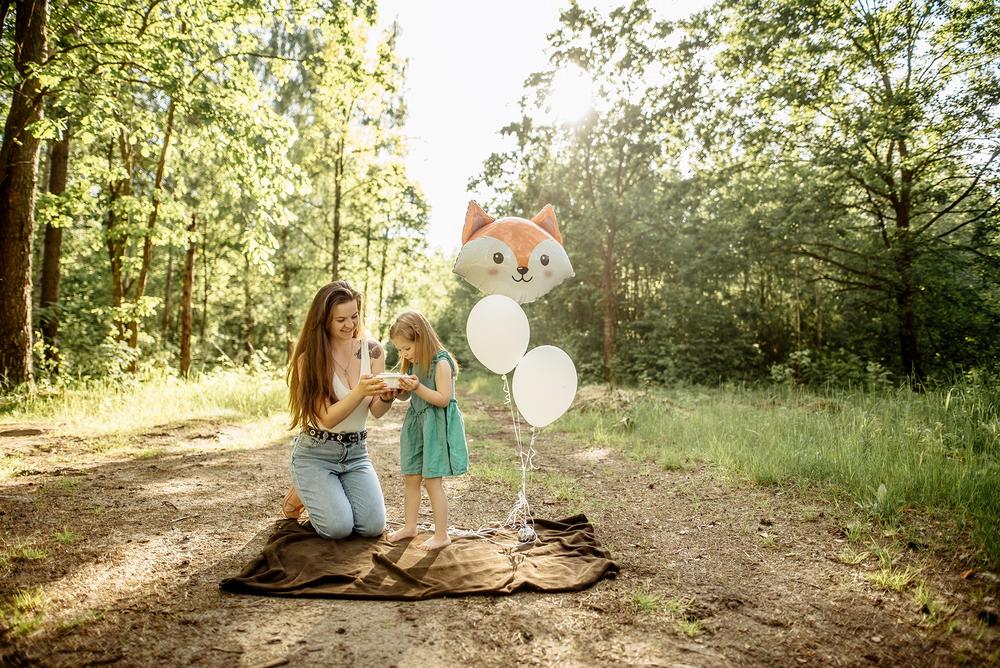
(496, 462)
(105, 418)
(83, 619)
(891, 452)
(851, 557)
(24, 612)
(892, 578)
(94, 409)
(10, 466)
(646, 602)
(17, 550)
(149, 453)
(66, 536)
(934, 609)
(668, 609)
(692, 628)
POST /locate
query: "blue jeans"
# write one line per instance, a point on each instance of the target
(338, 486)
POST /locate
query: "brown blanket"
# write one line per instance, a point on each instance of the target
(296, 562)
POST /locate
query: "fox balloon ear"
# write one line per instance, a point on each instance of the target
(475, 220)
(546, 219)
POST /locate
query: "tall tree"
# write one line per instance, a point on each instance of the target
(52, 253)
(186, 295)
(18, 168)
(890, 107)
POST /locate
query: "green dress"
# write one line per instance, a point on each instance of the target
(432, 441)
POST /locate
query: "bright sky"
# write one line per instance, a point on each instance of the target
(468, 61)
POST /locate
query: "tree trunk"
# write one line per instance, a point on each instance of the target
(608, 301)
(186, 299)
(381, 282)
(165, 320)
(368, 247)
(248, 322)
(338, 174)
(909, 350)
(286, 293)
(18, 170)
(52, 251)
(116, 238)
(206, 278)
(147, 241)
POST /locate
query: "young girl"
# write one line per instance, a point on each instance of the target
(333, 389)
(432, 442)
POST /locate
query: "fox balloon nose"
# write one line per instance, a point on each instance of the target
(522, 270)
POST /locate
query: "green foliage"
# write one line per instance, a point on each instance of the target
(806, 192)
(802, 190)
(265, 140)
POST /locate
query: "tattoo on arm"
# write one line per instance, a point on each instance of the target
(374, 350)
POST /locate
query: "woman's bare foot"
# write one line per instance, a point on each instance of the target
(434, 543)
(400, 534)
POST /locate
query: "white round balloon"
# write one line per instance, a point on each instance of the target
(498, 332)
(544, 385)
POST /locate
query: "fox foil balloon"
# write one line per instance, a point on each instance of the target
(515, 257)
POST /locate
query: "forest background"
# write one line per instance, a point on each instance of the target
(784, 218)
(800, 192)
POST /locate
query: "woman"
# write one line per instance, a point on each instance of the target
(333, 388)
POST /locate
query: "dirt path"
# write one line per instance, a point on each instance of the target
(713, 573)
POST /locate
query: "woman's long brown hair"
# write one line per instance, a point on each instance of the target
(310, 382)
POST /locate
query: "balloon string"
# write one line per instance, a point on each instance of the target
(513, 416)
(520, 514)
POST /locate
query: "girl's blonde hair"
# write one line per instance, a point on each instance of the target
(413, 326)
(310, 370)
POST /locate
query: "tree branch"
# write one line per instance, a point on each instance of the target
(959, 199)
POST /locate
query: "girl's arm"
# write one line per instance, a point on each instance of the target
(442, 378)
(330, 414)
(380, 405)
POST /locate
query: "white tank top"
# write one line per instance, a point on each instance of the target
(359, 416)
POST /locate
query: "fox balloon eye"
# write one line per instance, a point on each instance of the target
(498, 258)
(544, 260)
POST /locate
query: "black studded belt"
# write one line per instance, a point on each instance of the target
(339, 436)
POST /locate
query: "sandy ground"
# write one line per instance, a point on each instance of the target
(714, 572)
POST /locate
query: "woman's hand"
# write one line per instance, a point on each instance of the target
(409, 383)
(387, 397)
(370, 386)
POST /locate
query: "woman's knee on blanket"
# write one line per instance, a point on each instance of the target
(333, 527)
(371, 526)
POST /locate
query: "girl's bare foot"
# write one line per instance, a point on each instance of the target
(434, 543)
(400, 534)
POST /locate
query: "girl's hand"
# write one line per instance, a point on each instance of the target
(369, 386)
(409, 383)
